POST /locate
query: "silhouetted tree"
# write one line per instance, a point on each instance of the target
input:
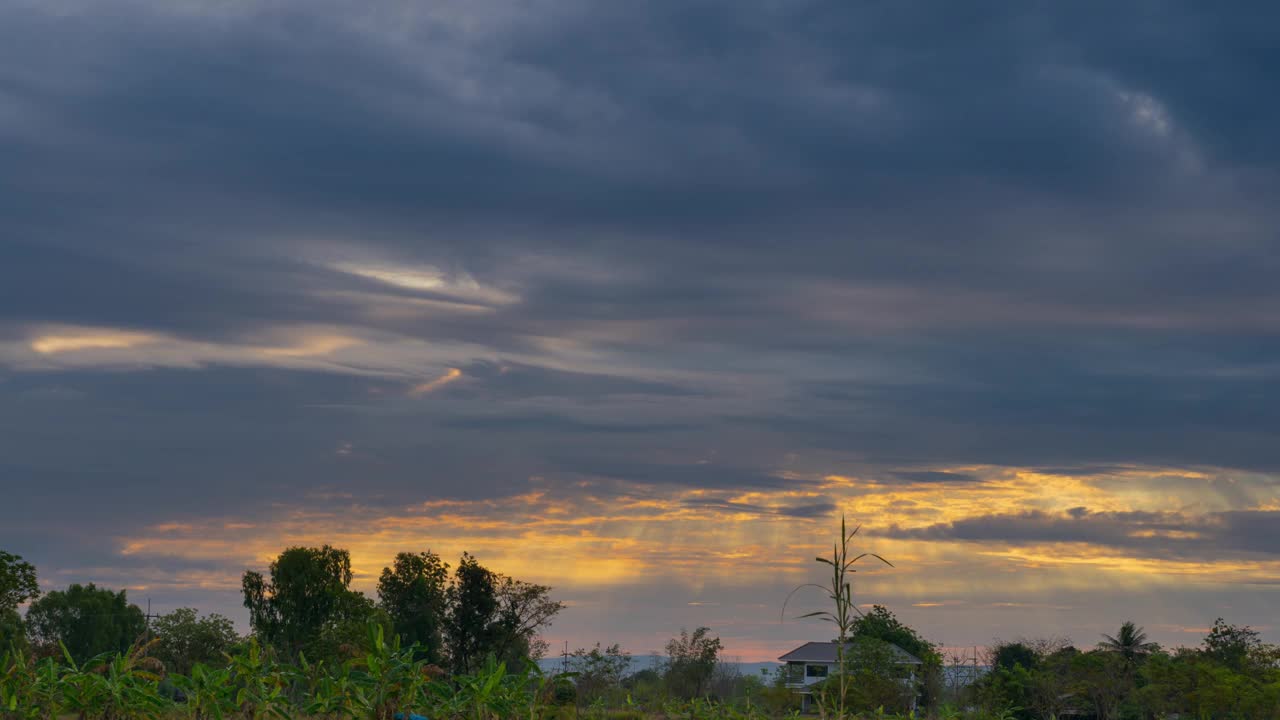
(13, 631)
(523, 609)
(17, 581)
(88, 620)
(598, 670)
(307, 595)
(691, 659)
(1231, 645)
(414, 592)
(1006, 656)
(1130, 644)
(473, 601)
(182, 638)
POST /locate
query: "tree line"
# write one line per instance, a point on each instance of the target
(1233, 674)
(302, 607)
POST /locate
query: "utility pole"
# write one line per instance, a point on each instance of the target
(148, 617)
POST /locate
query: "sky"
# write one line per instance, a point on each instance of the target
(637, 299)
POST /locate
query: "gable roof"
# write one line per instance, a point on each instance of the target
(825, 652)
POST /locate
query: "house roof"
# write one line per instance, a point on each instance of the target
(825, 652)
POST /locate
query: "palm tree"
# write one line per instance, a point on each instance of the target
(1130, 642)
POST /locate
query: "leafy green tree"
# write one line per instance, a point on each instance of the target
(1130, 643)
(182, 638)
(88, 620)
(523, 609)
(17, 581)
(1101, 678)
(881, 624)
(1005, 656)
(308, 592)
(346, 633)
(1010, 686)
(473, 601)
(598, 670)
(691, 660)
(13, 631)
(875, 680)
(491, 614)
(1232, 645)
(1052, 684)
(1193, 683)
(415, 594)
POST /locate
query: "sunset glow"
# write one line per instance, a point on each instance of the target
(638, 300)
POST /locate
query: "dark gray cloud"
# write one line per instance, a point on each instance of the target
(933, 476)
(808, 510)
(1152, 534)
(702, 245)
(515, 381)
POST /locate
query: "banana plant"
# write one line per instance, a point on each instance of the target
(28, 690)
(388, 681)
(82, 690)
(330, 693)
(129, 687)
(536, 690)
(490, 694)
(260, 685)
(209, 693)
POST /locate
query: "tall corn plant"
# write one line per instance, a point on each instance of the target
(843, 614)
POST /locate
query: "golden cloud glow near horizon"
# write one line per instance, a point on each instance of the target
(606, 534)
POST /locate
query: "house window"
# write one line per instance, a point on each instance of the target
(815, 671)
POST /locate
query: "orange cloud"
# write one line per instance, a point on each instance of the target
(433, 385)
(585, 534)
(76, 339)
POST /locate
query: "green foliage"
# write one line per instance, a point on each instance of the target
(13, 631)
(523, 609)
(881, 624)
(490, 614)
(306, 605)
(1232, 645)
(1235, 677)
(85, 619)
(208, 693)
(257, 684)
(17, 581)
(182, 639)
(598, 671)
(691, 660)
(385, 678)
(872, 678)
(29, 690)
(1007, 656)
(473, 600)
(414, 593)
(1130, 644)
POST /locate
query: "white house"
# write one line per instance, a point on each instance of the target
(813, 662)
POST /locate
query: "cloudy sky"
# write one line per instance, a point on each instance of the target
(635, 299)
